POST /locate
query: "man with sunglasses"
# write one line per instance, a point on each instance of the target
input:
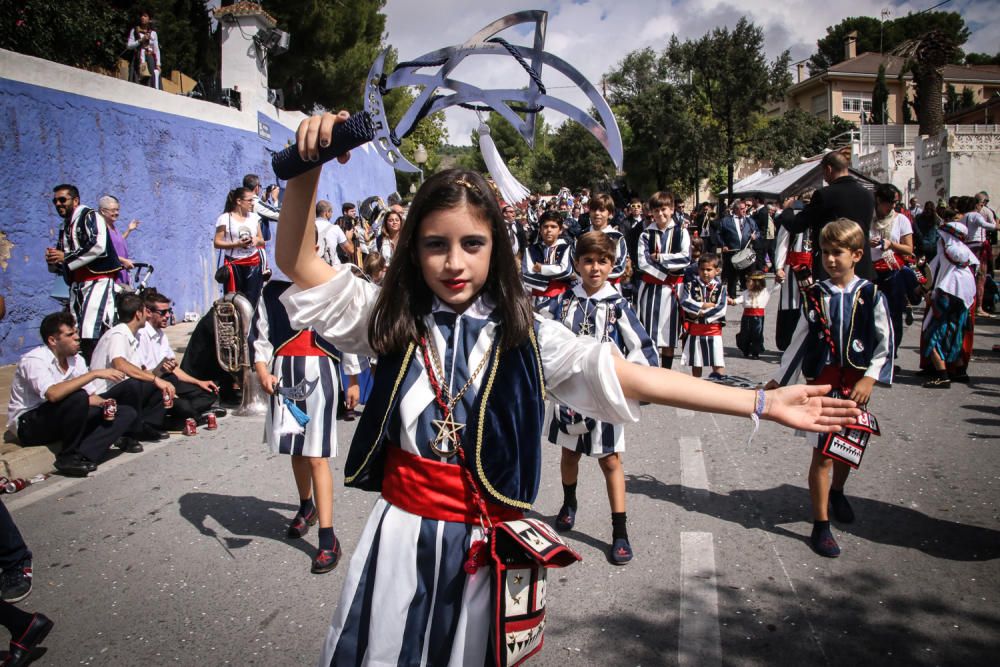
(194, 397)
(86, 258)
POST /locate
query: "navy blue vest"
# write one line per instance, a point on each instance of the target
(279, 328)
(858, 347)
(502, 440)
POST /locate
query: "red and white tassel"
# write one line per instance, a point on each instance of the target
(510, 188)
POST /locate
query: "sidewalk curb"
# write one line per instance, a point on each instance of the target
(26, 462)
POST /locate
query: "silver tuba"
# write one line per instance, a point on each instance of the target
(233, 315)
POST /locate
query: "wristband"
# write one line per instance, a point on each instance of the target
(758, 411)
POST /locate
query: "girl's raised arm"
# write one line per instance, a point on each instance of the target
(804, 407)
(295, 246)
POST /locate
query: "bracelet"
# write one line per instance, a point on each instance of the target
(758, 411)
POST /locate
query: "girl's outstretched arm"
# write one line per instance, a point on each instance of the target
(295, 246)
(803, 407)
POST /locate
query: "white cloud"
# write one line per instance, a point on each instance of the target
(594, 35)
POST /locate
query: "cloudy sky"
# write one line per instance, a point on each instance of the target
(594, 35)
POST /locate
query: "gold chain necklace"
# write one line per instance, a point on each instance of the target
(448, 438)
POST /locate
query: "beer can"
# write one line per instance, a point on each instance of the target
(168, 400)
(15, 485)
(211, 424)
(109, 409)
(190, 427)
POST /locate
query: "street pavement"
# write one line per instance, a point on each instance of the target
(178, 555)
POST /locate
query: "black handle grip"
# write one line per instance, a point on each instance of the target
(359, 129)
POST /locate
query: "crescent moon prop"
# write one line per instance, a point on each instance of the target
(440, 90)
(299, 391)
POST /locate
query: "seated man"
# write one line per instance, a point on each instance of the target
(54, 398)
(194, 396)
(118, 348)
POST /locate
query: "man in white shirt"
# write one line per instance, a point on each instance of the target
(330, 235)
(119, 349)
(265, 211)
(54, 398)
(194, 396)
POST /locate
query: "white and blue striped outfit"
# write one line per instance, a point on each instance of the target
(406, 598)
(555, 267)
(658, 304)
(608, 317)
(702, 351)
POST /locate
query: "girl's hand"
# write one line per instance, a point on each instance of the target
(315, 132)
(807, 407)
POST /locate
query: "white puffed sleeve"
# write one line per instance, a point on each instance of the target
(580, 373)
(337, 310)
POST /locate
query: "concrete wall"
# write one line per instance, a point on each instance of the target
(974, 163)
(168, 158)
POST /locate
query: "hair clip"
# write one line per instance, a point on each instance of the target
(461, 181)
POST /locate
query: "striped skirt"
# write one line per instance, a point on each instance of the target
(582, 434)
(702, 351)
(93, 306)
(320, 436)
(407, 599)
(659, 312)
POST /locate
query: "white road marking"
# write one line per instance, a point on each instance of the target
(700, 642)
(694, 478)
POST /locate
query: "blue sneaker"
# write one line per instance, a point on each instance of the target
(823, 543)
(716, 377)
(566, 519)
(620, 552)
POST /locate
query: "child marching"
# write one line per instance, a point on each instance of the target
(300, 371)
(845, 340)
(704, 308)
(750, 337)
(451, 436)
(664, 254)
(594, 308)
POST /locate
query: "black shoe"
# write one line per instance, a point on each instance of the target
(823, 542)
(220, 412)
(129, 445)
(566, 518)
(938, 383)
(74, 466)
(151, 434)
(22, 649)
(908, 317)
(326, 559)
(15, 582)
(300, 524)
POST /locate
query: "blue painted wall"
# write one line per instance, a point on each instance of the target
(171, 172)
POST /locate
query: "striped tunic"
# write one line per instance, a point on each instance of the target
(608, 317)
(789, 298)
(87, 244)
(407, 599)
(555, 266)
(658, 304)
(702, 351)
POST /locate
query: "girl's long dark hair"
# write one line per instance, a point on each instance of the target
(405, 299)
(234, 194)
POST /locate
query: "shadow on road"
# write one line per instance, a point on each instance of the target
(878, 522)
(245, 517)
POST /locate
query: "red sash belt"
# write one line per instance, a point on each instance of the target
(753, 312)
(84, 275)
(842, 379)
(434, 490)
(302, 345)
(799, 259)
(555, 288)
(671, 280)
(230, 262)
(883, 265)
(615, 281)
(704, 329)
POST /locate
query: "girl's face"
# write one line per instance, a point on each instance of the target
(454, 247)
(599, 218)
(244, 204)
(393, 222)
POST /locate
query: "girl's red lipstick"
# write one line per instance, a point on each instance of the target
(455, 284)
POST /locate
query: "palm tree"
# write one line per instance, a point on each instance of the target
(925, 57)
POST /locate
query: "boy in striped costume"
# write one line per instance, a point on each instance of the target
(595, 309)
(664, 253)
(545, 267)
(704, 308)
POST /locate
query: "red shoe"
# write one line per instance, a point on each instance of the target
(300, 524)
(326, 559)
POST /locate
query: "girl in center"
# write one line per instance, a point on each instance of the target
(462, 363)
(596, 309)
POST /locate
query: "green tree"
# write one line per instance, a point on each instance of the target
(880, 99)
(333, 44)
(89, 35)
(925, 57)
(729, 71)
(872, 33)
(522, 161)
(982, 59)
(785, 140)
(574, 158)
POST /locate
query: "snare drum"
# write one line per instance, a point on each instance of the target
(744, 259)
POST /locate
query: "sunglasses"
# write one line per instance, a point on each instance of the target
(61, 200)
(160, 312)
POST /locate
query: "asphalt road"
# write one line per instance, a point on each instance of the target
(178, 555)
